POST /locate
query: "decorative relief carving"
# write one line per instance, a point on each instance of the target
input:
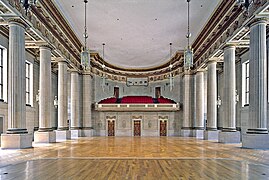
(136, 117)
(163, 117)
(110, 117)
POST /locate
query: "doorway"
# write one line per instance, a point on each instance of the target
(111, 127)
(116, 92)
(137, 128)
(163, 128)
(157, 92)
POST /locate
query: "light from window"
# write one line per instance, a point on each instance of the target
(28, 83)
(1, 74)
(247, 84)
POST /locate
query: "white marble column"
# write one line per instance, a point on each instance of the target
(229, 133)
(45, 133)
(87, 102)
(257, 134)
(186, 130)
(62, 132)
(75, 116)
(17, 135)
(211, 132)
(199, 104)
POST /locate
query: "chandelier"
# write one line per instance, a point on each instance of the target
(188, 52)
(103, 67)
(85, 60)
(171, 79)
(27, 4)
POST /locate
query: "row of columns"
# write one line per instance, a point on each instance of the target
(257, 133)
(17, 135)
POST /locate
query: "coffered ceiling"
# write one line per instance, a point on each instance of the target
(137, 33)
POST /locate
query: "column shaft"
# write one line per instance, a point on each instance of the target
(229, 101)
(199, 120)
(211, 96)
(45, 89)
(75, 124)
(187, 120)
(62, 96)
(258, 79)
(87, 101)
(16, 79)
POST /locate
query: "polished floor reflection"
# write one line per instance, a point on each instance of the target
(135, 158)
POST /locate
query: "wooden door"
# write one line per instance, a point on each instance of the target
(157, 92)
(111, 128)
(137, 128)
(163, 128)
(116, 92)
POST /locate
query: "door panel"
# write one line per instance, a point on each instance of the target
(137, 128)
(163, 128)
(111, 128)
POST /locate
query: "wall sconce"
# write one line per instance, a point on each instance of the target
(37, 96)
(55, 102)
(236, 96)
(218, 102)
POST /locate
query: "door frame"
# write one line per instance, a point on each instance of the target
(159, 127)
(141, 125)
(107, 126)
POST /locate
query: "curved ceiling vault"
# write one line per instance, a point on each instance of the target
(137, 33)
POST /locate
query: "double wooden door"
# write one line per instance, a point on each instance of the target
(163, 128)
(111, 128)
(137, 128)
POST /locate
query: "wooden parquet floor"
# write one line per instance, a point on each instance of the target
(135, 158)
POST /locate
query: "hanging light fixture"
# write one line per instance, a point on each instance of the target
(85, 60)
(27, 4)
(245, 3)
(171, 79)
(103, 67)
(188, 53)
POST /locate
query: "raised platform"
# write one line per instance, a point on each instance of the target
(16, 141)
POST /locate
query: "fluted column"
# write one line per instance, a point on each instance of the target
(16, 79)
(45, 89)
(211, 95)
(229, 133)
(258, 78)
(45, 132)
(257, 133)
(63, 131)
(87, 102)
(62, 96)
(199, 120)
(17, 135)
(188, 115)
(211, 132)
(229, 101)
(75, 124)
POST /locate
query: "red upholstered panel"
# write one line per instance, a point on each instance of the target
(108, 101)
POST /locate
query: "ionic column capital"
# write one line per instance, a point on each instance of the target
(255, 21)
(18, 22)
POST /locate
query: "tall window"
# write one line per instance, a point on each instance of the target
(247, 83)
(1, 74)
(28, 85)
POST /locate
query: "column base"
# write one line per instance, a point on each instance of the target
(186, 133)
(16, 141)
(229, 137)
(75, 133)
(211, 135)
(198, 133)
(87, 132)
(255, 141)
(45, 137)
(62, 135)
